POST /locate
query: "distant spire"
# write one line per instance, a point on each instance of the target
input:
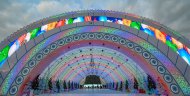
(92, 64)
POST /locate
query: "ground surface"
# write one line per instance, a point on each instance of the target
(93, 92)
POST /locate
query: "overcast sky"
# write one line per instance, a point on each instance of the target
(14, 14)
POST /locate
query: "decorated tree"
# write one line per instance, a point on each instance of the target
(58, 85)
(151, 83)
(116, 88)
(64, 85)
(121, 86)
(69, 85)
(113, 85)
(126, 85)
(72, 85)
(135, 84)
(50, 84)
(35, 83)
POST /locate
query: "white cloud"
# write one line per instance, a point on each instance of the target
(172, 13)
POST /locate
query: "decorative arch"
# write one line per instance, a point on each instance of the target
(156, 46)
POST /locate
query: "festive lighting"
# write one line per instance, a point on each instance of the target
(168, 40)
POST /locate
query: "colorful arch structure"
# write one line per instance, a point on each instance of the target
(124, 46)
